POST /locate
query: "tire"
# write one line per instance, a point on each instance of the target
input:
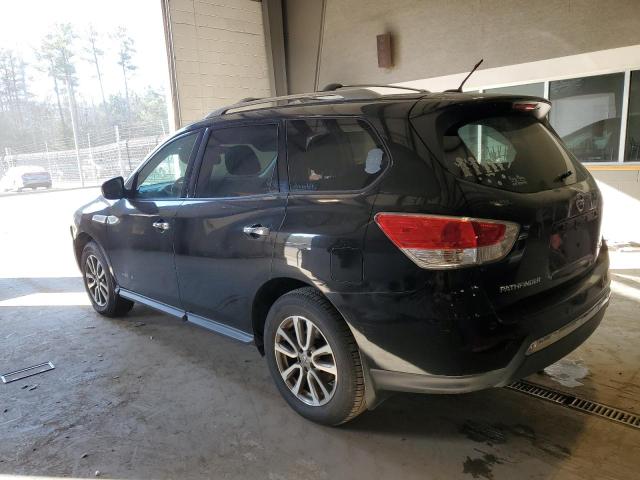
(102, 294)
(342, 398)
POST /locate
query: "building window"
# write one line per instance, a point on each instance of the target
(632, 149)
(586, 113)
(533, 89)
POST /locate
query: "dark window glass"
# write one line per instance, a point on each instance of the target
(586, 113)
(332, 154)
(239, 161)
(632, 150)
(163, 175)
(515, 153)
(533, 89)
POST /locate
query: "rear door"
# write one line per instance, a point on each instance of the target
(333, 167)
(226, 230)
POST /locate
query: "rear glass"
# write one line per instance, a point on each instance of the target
(515, 153)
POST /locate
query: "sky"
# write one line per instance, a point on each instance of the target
(23, 23)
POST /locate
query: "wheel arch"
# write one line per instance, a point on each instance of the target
(81, 241)
(264, 298)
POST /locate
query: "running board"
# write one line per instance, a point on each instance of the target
(163, 307)
(203, 322)
(220, 328)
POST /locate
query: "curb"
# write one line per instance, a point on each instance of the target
(46, 190)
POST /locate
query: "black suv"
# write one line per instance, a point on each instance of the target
(365, 242)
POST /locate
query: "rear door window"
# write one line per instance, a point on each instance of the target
(515, 153)
(239, 161)
(332, 154)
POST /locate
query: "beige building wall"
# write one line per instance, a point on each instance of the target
(218, 54)
(441, 37)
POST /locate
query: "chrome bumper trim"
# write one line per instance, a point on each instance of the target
(562, 332)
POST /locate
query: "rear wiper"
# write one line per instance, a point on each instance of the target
(564, 175)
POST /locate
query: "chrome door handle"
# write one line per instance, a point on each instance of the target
(256, 231)
(162, 226)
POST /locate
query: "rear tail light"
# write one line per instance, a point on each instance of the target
(439, 242)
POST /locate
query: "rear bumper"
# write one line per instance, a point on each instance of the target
(569, 337)
(448, 341)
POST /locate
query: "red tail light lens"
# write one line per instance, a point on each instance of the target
(437, 242)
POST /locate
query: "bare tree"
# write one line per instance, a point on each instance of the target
(126, 50)
(58, 46)
(94, 52)
(47, 59)
(13, 84)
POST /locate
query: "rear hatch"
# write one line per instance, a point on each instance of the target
(512, 167)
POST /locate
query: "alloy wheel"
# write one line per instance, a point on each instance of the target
(96, 279)
(305, 360)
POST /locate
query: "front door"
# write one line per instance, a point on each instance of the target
(141, 228)
(225, 233)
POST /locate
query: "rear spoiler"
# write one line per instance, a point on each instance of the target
(536, 106)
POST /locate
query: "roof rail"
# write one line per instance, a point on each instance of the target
(324, 95)
(332, 87)
(250, 99)
(250, 102)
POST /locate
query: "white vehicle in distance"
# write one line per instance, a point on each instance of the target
(28, 176)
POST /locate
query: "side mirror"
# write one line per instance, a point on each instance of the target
(114, 189)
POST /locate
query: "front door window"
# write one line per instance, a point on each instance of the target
(163, 175)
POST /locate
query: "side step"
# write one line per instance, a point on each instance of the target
(220, 328)
(203, 322)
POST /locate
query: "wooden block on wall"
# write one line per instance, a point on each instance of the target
(385, 57)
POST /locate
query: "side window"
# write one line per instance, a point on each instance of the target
(163, 175)
(239, 161)
(332, 154)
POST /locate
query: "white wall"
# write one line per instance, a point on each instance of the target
(217, 48)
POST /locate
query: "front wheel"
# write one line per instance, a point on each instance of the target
(313, 358)
(100, 285)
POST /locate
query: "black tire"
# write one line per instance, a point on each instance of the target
(347, 400)
(110, 304)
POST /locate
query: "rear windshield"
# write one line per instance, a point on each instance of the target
(515, 153)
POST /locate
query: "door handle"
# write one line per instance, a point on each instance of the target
(256, 231)
(161, 225)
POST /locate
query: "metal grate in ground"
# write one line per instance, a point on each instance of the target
(576, 403)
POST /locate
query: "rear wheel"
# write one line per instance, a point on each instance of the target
(100, 285)
(313, 358)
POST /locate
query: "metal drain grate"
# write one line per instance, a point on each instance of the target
(577, 403)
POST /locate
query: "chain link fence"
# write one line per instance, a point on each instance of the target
(99, 156)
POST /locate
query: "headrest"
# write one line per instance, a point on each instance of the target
(241, 160)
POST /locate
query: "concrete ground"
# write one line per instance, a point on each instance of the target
(147, 396)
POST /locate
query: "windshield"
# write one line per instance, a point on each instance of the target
(515, 153)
